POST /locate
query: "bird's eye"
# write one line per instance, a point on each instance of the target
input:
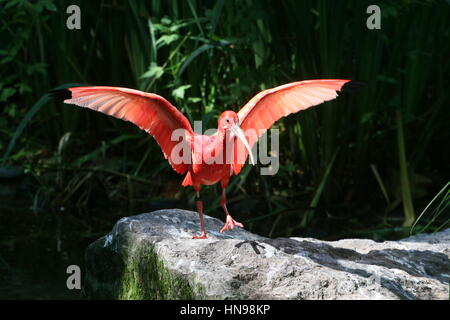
(228, 120)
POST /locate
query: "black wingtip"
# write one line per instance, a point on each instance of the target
(60, 94)
(352, 86)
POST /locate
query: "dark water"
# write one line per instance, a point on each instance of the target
(37, 248)
(33, 262)
(38, 243)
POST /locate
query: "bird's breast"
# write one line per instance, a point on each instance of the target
(210, 163)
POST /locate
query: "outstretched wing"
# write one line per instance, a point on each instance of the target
(268, 106)
(148, 111)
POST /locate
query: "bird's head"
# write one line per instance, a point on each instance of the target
(227, 119)
(229, 122)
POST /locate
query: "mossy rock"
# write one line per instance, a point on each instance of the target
(146, 277)
(137, 274)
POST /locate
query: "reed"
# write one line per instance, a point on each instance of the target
(206, 57)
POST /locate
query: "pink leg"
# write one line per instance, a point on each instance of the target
(230, 222)
(200, 213)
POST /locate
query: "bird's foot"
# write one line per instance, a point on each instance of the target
(230, 224)
(201, 236)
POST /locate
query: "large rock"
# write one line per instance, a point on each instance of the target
(152, 256)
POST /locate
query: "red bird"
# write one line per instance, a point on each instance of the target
(160, 118)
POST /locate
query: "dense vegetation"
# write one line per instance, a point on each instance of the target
(364, 165)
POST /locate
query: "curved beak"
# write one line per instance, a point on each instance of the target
(237, 131)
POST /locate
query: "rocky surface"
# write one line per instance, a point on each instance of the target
(152, 256)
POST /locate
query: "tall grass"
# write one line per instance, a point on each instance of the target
(208, 57)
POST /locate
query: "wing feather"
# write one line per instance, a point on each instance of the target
(148, 111)
(268, 106)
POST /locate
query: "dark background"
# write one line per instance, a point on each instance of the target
(365, 165)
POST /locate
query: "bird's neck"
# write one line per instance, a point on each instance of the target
(220, 134)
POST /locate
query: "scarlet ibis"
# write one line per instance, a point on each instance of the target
(160, 118)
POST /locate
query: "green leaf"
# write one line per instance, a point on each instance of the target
(166, 40)
(6, 93)
(166, 21)
(179, 92)
(154, 71)
(194, 99)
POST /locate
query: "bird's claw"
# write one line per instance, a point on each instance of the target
(201, 236)
(230, 224)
